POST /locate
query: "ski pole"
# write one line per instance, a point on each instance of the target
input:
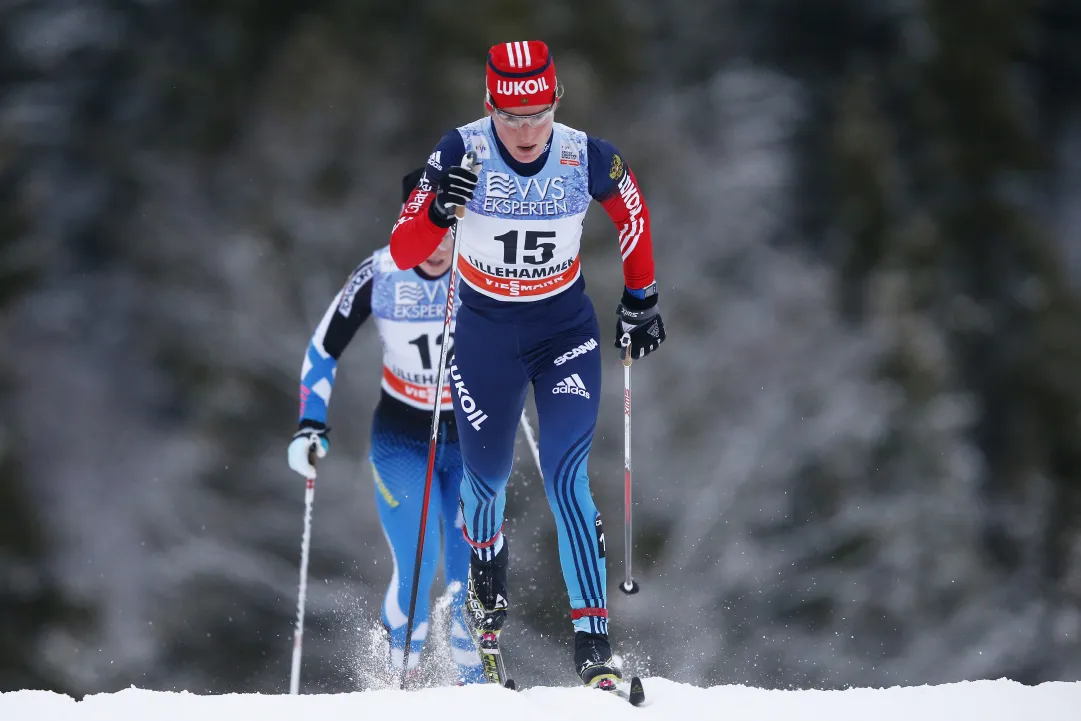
(469, 162)
(302, 590)
(629, 585)
(532, 441)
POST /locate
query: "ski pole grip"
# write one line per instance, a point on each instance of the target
(625, 350)
(469, 162)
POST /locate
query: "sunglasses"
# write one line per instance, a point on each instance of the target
(533, 120)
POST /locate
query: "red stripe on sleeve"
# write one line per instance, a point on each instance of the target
(627, 209)
(577, 613)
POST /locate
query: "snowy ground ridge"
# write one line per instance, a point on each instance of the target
(978, 700)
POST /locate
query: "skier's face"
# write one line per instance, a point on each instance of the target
(524, 131)
(438, 262)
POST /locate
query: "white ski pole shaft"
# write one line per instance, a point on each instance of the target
(302, 591)
(532, 441)
(469, 162)
(629, 585)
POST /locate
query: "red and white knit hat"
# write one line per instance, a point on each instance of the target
(520, 73)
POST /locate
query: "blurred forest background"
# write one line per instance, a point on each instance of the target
(858, 457)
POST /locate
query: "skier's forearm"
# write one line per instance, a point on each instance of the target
(415, 235)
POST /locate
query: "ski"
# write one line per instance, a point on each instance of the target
(491, 659)
(495, 671)
(634, 693)
(631, 691)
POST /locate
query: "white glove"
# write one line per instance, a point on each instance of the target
(304, 442)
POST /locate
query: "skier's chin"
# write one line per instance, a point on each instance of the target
(527, 153)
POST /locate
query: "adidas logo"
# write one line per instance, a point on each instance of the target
(571, 384)
(433, 160)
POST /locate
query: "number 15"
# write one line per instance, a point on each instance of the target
(531, 244)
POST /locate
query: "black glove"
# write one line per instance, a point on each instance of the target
(640, 319)
(455, 188)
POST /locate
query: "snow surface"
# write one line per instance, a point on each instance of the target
(978, 700)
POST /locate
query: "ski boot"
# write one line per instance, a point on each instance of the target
(593, 660)
(486, 610)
